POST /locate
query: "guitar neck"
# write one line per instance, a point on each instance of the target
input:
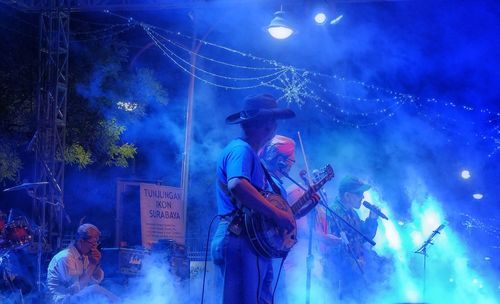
(307, 196)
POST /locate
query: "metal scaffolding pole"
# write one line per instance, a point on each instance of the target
(52, 94)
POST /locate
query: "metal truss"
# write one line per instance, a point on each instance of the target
(51, 105)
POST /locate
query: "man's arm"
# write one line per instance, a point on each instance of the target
(250, 197)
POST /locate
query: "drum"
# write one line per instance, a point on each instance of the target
(17, 233)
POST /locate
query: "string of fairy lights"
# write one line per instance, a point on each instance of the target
(103, 33)
(178, 60)
(234, 69)
(294, 84)
(488, 226)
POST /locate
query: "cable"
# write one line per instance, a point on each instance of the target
(258, 281)
(278, 278)
(206, 255)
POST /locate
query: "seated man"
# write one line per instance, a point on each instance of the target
(74, 274)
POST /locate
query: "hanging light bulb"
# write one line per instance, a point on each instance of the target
(320, 18)
(279, 27)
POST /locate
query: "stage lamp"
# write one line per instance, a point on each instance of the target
(279, 28)
(465, 174)
(320, 18)
(477, 196)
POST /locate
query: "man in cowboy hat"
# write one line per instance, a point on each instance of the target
(240, 176)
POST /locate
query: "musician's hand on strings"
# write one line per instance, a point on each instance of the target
(343, 238)
(315, 198)
(335, 240)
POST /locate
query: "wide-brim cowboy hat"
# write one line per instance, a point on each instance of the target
(260, 107)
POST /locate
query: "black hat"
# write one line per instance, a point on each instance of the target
(260, 106)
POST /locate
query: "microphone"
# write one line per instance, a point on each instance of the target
(375, 210)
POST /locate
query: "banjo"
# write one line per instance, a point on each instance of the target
(266, 238)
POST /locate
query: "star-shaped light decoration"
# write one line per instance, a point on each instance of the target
(294, 85)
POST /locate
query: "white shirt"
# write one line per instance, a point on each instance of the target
(64, 272)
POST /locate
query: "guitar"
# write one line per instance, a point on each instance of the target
(266, 238)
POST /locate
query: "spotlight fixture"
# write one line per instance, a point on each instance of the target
(279, 28)
(465, 174)
(477, 196)
(320, 18)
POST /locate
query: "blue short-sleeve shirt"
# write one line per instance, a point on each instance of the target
(237, 160)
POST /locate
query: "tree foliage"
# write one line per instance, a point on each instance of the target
(10, 163)
(105, 96)
(17, 103)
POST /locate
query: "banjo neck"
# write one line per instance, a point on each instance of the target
(314, 187)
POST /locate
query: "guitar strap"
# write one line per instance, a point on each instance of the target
(275, 187)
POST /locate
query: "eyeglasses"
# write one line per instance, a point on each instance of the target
(96, 243)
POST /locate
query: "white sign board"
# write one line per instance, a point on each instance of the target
(162, 214)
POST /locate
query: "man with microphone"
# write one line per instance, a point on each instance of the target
(349, 257)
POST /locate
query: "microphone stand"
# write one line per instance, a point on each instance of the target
(312, 222)
(346, 241)
(348, 225)
(423, 250)
(349, 250)
(310, 256)
(322, 203)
